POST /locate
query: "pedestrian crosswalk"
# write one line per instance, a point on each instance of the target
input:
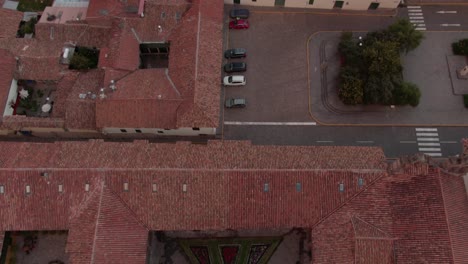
(428, 141)
(416, 17)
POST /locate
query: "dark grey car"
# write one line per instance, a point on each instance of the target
(239, 13)
(235, 103)
(235, 67)
(235, 53)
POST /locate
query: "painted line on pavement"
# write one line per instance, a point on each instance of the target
(429, 149)
(324, 141)
(408, 142)
(429, 144)
(417, 21)
(420, 29)
(449, 142)
(411, 7)
(425, 129)
(428, 139)
(434, 154)
(233, 123)
(417, 17)
(427, 134)
(365, 141)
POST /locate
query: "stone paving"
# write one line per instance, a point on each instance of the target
(49, 247)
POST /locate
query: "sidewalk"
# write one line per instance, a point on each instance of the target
(426, 66)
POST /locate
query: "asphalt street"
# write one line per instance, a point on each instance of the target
(277, 129)
(437, 18)
(395, 141)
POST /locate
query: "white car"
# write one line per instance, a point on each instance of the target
(234, 80)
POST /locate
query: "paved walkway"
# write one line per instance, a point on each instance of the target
(426, 66)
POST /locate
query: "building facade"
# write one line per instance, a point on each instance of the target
(322, 4)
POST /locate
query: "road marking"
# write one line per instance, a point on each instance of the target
(429, 149)
(420, 25)
(417, 20)
(408, 142)
(420, 29)
(449, 142)
(446, 12)
(427, 134)
(450, 25)
(270, 123)
(428, 139)
(434, 154)
(429, 144)
(411, 7)
(324, 141)
(415, 14)
(365, 141)
(417, 17)
(426, 129)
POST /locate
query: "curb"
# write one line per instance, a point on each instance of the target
(359, 125)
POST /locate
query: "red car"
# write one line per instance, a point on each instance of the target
(239, 24)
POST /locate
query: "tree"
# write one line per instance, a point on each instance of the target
(406, 93)
(405, 34)
(349, 49)
(80, 62)
(382, 58)
(352, 87)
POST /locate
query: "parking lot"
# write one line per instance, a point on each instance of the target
(276, 89)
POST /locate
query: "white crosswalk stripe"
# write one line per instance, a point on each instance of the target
(416, 17)
(428, 141)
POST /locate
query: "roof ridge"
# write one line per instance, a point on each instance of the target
(372, 183)
(132, 213)
(93, 251)
(354, 220)
(439, 178)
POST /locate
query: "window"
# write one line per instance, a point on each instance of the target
(195, 128)
(311, 2)
(184, 187)
(360, 182)
(155, 187)
(374, 6)
(87, 187)
(2, 189)
(138, 130)
(125, 186)
(28, 189)
(60, 188)
(266, 187)
(160, 132)
(163, 15)
(338, 4)
(341, 188)
(123, 130)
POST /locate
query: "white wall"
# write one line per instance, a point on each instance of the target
(12, 96)
(322, 4)
(183, 131)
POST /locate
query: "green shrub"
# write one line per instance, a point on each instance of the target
(465, 100)
(460, 47)
(406, 93)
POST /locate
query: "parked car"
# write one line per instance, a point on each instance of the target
(239, 13)
(235, 53)
(239, 24)
(235, 67)
(235, 103)
(234, 80)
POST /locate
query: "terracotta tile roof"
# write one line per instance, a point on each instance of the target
(64, 88)
(115, 222)
(143, 99)
(377, 217)
(7, 66)
(18, 122)
(79, 33)
(456, 208)
(81, 113)
(10, 20)
(405, 218)
(109, 8)
(123, 52)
